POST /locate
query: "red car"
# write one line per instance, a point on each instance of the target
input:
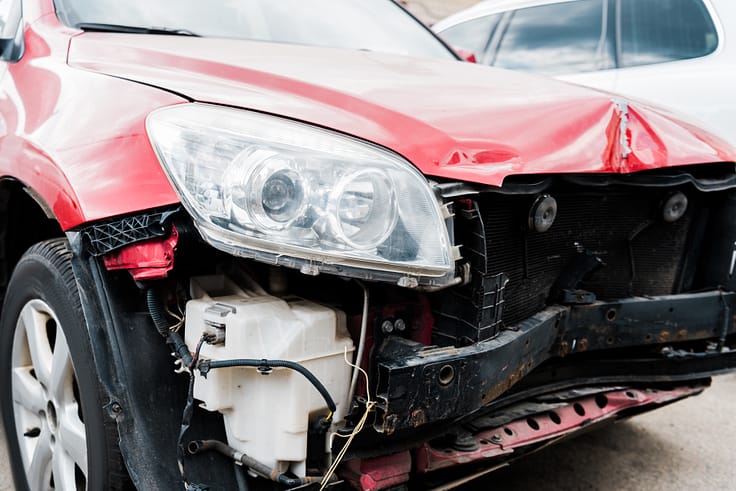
(375, 266)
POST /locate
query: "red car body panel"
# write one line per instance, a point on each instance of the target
(452, 120)
(76, 138)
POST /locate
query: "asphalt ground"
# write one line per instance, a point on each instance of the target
(6, 480)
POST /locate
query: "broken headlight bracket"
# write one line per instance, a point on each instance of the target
(111, 235)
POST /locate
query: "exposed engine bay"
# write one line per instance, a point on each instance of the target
(576, 300)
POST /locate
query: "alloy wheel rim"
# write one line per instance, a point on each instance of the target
(49, 424)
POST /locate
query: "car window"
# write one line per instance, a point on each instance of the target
(372, 25)
(665, 30)
(473, 34)
(560, 38)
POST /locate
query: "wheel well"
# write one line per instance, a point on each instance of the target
(23, 222)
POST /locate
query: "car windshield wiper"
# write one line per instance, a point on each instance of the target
(95, 27)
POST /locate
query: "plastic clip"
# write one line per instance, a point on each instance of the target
(264, 368)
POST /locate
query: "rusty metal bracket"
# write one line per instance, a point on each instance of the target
(417, 385)
(647, 321)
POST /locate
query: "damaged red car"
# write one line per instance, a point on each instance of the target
(247, 245)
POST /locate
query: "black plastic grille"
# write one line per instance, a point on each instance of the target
(642, 253)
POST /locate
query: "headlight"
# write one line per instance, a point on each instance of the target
(288, 193)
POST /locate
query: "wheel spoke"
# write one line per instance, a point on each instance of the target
(61, 371)
(63, 468)
(34, 323)
(40, 468)
(27, 391)
(73, 439)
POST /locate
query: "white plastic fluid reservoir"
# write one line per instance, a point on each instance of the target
(267, 416)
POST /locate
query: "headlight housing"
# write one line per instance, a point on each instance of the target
(292, 194)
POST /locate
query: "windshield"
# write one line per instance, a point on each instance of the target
(374, 25)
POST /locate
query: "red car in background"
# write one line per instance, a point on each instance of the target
(374, 265)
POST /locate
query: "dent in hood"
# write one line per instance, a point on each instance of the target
(451, 119)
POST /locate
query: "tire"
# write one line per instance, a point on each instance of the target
(51, 398)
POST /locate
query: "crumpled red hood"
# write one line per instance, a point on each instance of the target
(453, 120)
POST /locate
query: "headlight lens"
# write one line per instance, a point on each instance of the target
(363, 206)
(289, 193)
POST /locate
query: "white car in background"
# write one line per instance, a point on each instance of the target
(679, 54)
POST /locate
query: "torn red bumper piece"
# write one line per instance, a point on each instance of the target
(149, 260)
(539, 428)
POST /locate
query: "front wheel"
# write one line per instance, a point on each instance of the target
(51, 400)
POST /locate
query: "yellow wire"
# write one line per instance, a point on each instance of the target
(358, 428)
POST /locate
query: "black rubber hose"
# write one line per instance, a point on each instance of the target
(181, 350)
(198, 446)
(158, 314)
(157, 311)
(265, 366)
(263, 470)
